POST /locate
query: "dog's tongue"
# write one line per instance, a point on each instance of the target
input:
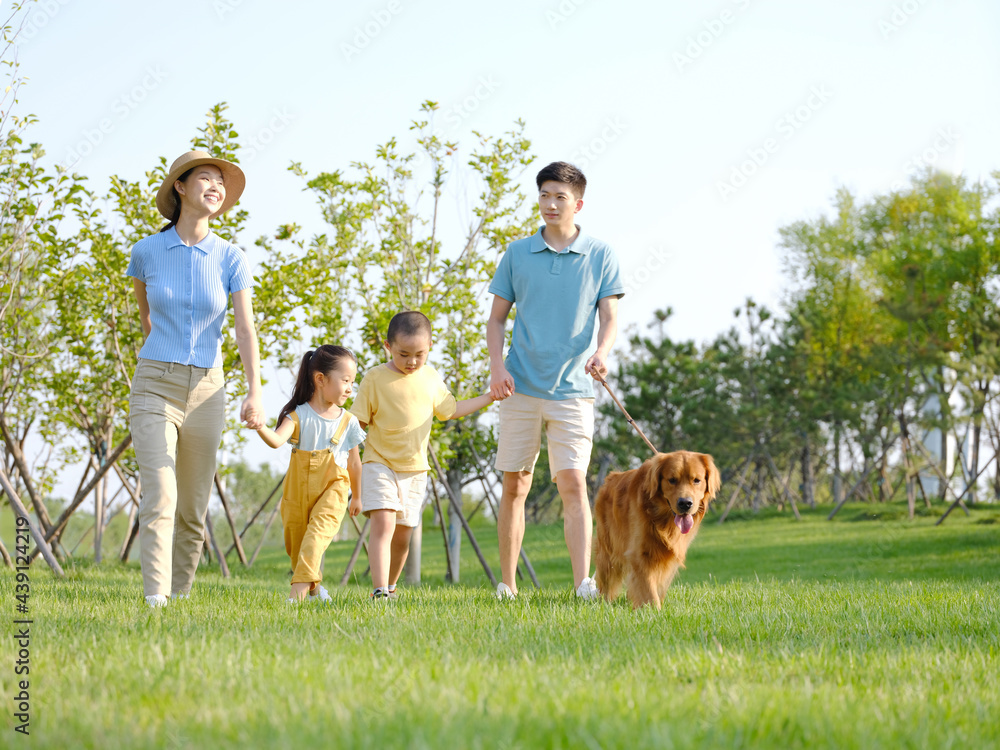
(684, 523)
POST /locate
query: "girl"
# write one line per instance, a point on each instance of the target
(184, 277)
(325, 462)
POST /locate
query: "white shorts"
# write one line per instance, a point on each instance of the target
(401, 491)
(569, 427)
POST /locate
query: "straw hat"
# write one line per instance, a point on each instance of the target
(232, 176)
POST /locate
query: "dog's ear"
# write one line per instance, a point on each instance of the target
(712, 478)
(653, 469)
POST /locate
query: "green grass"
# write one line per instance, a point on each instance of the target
(846, 634)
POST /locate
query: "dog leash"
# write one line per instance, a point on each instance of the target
(625, 412)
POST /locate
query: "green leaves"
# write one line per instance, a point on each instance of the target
(894, 302)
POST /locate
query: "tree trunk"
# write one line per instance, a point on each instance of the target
(99, 492)
(412, 568)
(57, 527)
(911, 491)
(884, 485)
(996, 480)
(35, 532)
(977, 432)
(760, 493)
(131, 532)
(215, 546)
(454, 479)
(237, 538)
(838, 480)
(41, 512)
(808, 480)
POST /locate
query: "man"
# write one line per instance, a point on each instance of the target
(562, 281)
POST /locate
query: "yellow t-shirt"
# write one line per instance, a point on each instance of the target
(398, 410)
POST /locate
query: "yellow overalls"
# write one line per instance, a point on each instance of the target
(313, 504)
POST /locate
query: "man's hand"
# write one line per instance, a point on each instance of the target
(501, 383)
(597, 366)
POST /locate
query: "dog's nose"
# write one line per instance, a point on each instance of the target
(684, 504)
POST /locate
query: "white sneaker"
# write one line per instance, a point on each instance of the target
(157, 600)
(504, 593)
(587, 589)
(320, 595)
(179, 597)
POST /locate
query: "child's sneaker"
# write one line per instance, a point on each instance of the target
(587, 589)
(391, 592)
(504, 592)
(380, 594)
(157, 600)
(320, 595)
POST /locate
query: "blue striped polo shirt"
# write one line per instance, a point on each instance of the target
(188, 292)
(555, 296)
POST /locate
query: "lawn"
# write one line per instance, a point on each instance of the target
(858, 633)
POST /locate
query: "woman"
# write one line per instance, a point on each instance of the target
(183, 277)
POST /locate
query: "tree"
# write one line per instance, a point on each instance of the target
(939, 254)
(385, 243)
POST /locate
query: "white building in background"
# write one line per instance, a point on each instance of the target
(945, 450)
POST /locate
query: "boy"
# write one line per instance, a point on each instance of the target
(561, 280)
(397, 402)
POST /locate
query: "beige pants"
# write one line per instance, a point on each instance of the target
(177, 413)
(569, 429)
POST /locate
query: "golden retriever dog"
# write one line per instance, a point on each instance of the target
(647, 519)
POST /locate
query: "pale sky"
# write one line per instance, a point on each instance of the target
(702, 127)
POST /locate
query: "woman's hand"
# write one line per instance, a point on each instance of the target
(252, 412)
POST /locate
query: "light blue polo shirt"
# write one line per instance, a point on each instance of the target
(555, 297)
(188, 292)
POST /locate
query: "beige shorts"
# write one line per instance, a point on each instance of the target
(401, 491)
(569, 427)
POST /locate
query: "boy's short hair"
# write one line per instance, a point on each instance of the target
(408, 323)
(561, 171)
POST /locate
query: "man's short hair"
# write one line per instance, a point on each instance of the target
(561, 171)
(408, 323)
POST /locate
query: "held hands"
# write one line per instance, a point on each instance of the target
(501, 383)
(252, 412)
(355, 507)
(597, 366)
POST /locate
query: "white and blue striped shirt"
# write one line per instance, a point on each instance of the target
(188, 292)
